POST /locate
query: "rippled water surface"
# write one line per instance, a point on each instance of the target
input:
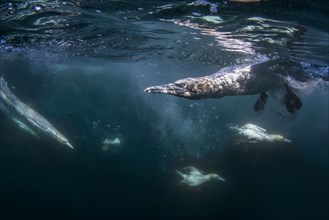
(84, 66)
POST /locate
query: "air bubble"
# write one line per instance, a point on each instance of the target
(37, 8)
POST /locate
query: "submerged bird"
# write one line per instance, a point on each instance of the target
(112, 145)
(25, 117)
(256, 134)
(258, 78)
(195, 177)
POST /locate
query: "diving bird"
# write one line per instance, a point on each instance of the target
(195, 177)
(258, 78)
(25, 117)
(256, 134)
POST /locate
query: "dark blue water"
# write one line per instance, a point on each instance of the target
(84, 65)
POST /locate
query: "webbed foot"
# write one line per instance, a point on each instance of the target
(292, 102)
(260, 103)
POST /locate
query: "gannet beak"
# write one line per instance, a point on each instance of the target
(217, 177)
(68, 144)
(286, 140)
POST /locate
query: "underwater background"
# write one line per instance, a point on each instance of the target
(84, 66)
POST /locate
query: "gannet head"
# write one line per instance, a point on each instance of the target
(190, 88)
(68, 144)
(280, 138)
(60, 138)
(216, 177)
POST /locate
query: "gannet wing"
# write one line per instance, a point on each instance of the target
(233, 127)
(193, 171)
(254, 127)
